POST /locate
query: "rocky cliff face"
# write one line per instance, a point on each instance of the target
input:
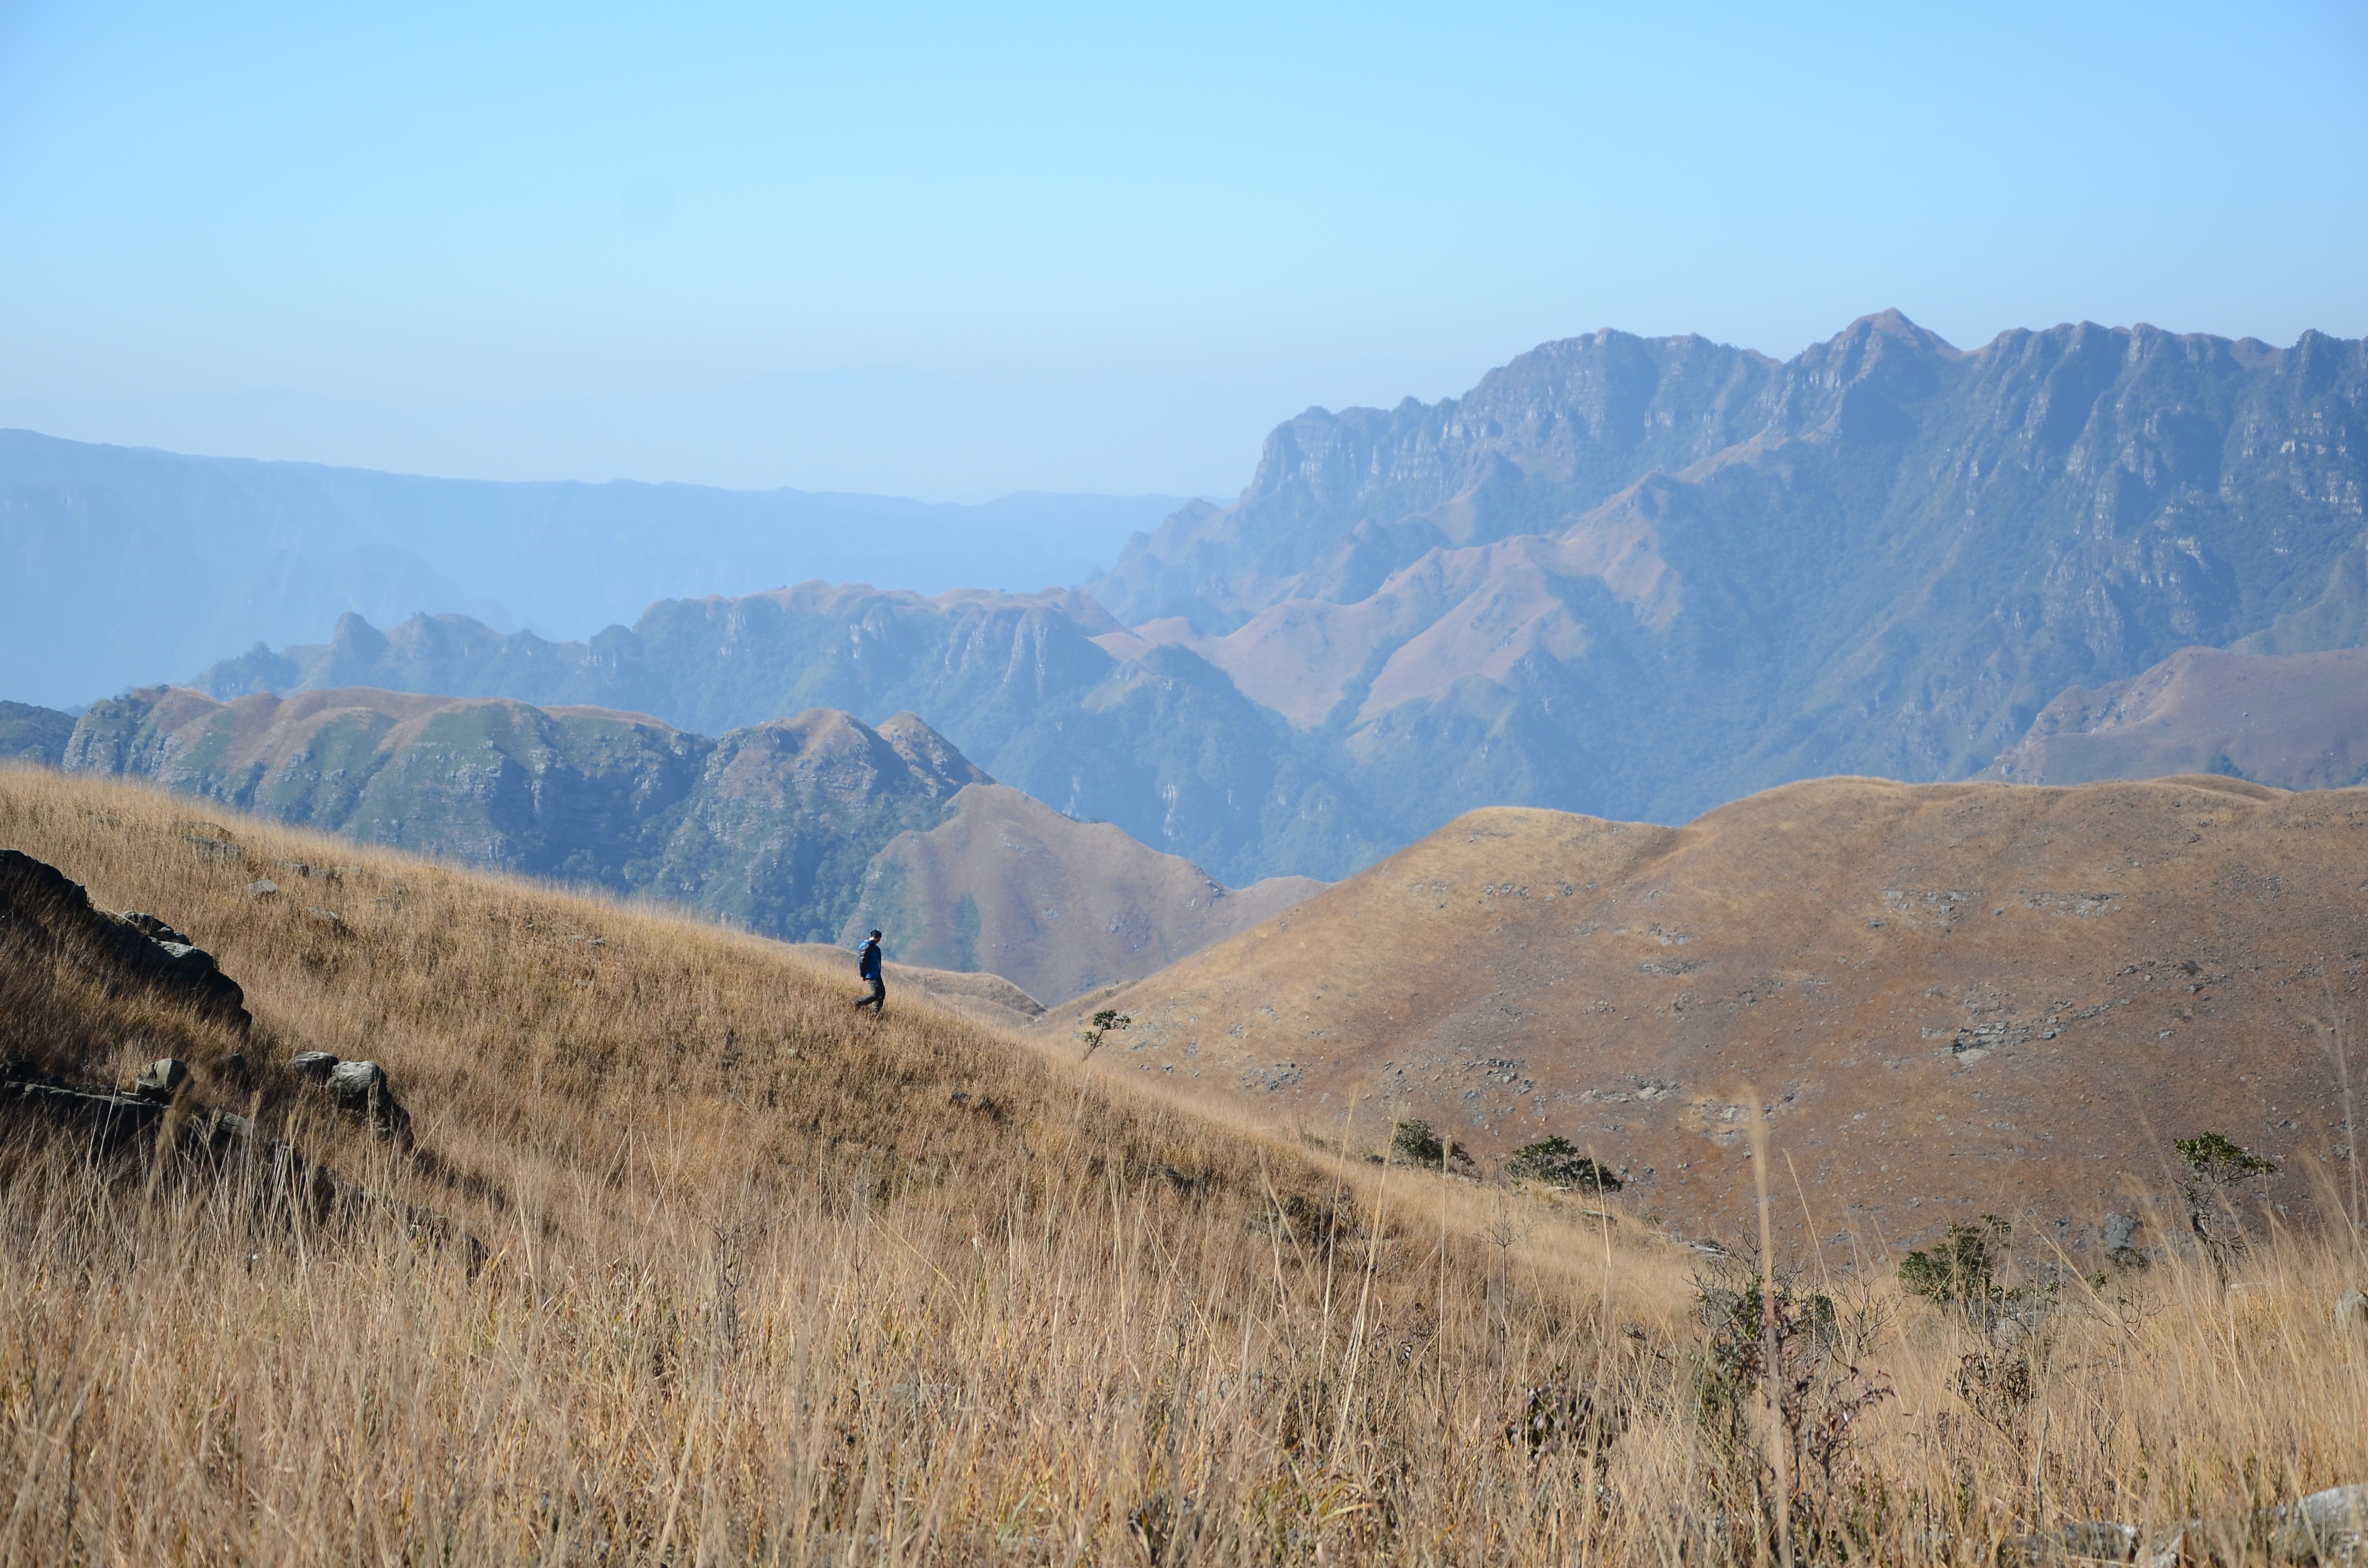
(1884, 556)
(1162, 743)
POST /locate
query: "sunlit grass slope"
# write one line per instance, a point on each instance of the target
(770, 1282)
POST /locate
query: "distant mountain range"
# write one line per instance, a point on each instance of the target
(147, 564)
(1633, 578)
(811, 828)
(1163, 744)
(1640, 576)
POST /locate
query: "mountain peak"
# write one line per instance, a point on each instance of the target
(1893, 322)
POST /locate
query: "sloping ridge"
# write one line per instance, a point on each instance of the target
(1952, 998)
(1064, 908)
(2294, 721)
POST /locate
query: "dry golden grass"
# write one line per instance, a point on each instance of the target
(771, 1283)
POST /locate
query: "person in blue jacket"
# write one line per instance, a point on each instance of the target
(867, 968)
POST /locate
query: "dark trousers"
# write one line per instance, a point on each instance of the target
(876, 999)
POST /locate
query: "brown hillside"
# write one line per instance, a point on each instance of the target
(1952, 998)
(2294, 721)
(1009, 884)
(763, 1281)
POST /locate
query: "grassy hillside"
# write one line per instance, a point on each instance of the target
(769, 1283)
(1952, 998)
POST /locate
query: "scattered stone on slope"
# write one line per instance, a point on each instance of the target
(113, 1122)
(263, 887)
(161, 1080)
(2352, 1312)
(155, 930)
(360, 1089)
(45, 916)
(2326, 1527)
(119, 1125)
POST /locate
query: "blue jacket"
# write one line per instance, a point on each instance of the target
(867, 966)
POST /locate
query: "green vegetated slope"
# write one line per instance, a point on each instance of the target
(34, 734)
(769, 826)
(1627, 576)
(778, 827)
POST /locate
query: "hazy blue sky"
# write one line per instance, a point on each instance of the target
(1094, 248)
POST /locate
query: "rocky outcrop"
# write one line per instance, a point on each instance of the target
(41, 911)
(108, 1126)
(51, 941)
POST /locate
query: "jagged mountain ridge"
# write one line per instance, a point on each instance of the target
(1632, 577)
(1884, 556)
(779, 827)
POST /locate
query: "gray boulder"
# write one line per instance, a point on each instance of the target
(161, 1079)
(313, 1065)
(2352, 1312)
(353, 1085)
(360, 1089)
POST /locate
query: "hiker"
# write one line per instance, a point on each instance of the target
(867, 967)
